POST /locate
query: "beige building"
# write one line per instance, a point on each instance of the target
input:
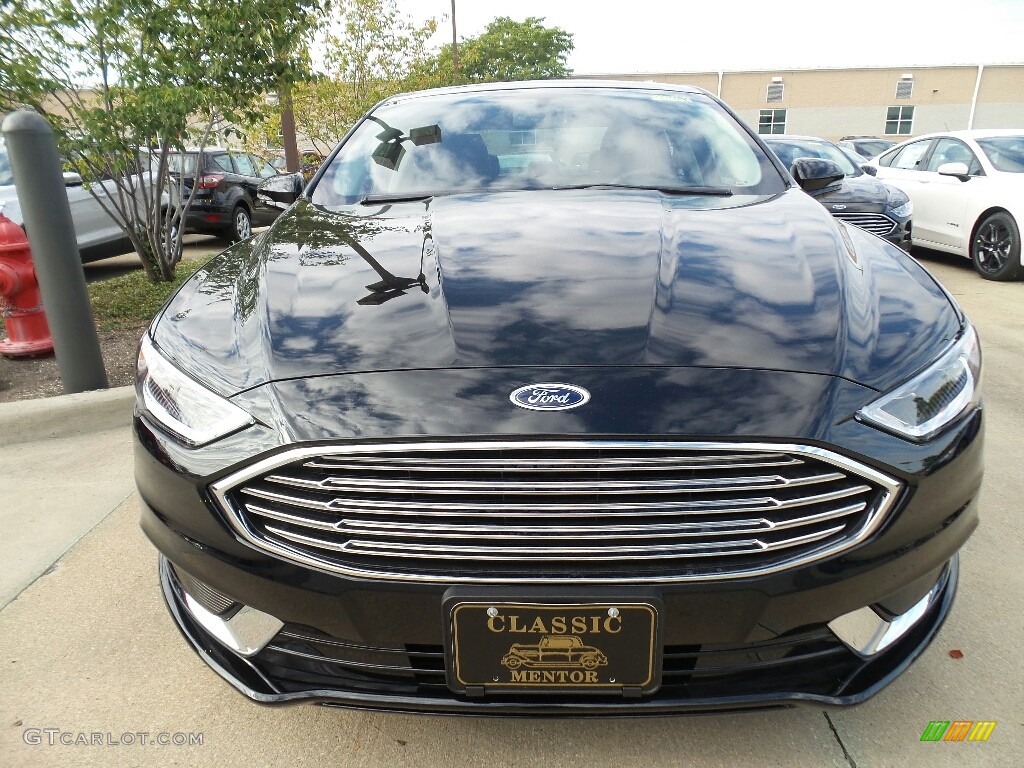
(894, 102)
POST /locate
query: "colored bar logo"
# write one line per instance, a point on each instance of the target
(958, 730)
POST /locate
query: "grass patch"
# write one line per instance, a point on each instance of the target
(129, 301)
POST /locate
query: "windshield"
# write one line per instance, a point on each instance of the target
(872, 148)
(789, 150)
(541, 138)
(1006, 153)
(6, 176)
(177, 163)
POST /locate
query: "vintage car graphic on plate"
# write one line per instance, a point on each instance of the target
(563, 651)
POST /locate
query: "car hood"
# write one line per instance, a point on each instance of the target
(860, 193)
(555, 279)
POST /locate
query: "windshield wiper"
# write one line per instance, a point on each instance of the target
(410, 197)
(668, 190)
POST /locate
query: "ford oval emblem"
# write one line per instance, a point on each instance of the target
(549, 397)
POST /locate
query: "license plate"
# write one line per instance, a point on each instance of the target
(524, 647)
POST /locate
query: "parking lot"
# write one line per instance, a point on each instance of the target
(87, 647)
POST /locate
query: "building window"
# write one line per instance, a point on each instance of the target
(899, 121)
(522, 138)
(772, 121)
(904, 89)
(775, 92)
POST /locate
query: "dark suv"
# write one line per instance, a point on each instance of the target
(228, 201)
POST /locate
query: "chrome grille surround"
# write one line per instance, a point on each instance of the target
(679, 526)
(875, 223)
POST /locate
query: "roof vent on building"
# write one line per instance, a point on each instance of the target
(905, 87)
(775, 90)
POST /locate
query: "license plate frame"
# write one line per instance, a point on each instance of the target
(553, 646)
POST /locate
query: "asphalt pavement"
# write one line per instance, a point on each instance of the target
(89, 655)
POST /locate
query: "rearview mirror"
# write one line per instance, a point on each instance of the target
(813, 174)
(954, 169)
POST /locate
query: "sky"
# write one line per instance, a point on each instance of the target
(708, 35)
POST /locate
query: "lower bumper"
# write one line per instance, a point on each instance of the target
(813, 666)
(212, 220)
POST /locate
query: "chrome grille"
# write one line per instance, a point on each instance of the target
(624, 512)
(875, 223)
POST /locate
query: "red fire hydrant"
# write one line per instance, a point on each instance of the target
(21, 304)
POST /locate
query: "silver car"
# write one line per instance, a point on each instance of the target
(98, 235)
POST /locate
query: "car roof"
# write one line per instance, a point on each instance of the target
(975, 133)
(525, 85)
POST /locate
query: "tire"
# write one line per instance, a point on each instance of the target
(241, 224)
(995, 248)
(590, 663)
(512, 662)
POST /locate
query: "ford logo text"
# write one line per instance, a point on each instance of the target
(549, 397)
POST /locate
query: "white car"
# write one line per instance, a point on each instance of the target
(98, 235)
(968, 194)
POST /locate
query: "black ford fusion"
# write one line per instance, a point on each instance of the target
(851, 195)
(559, 398)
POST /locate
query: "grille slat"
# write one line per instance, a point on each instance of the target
(876, 223)
(548, 511)
(562, 510)
(404, 529)
(446, 550)
(555, 487)
(578, 466)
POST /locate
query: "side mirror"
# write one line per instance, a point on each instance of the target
(72, 180)
(813, 174)
(870, 170)
(281, 191)
(954, 169)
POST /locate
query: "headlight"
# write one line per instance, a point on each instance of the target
(900, 205)
(925, 405)
(181, 405)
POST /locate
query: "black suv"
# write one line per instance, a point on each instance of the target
(229, 201)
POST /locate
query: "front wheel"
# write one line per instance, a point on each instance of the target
(241, 224)
(995, 249)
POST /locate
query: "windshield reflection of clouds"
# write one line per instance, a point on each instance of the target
(504, 140)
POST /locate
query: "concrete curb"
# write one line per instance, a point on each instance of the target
(25, 421)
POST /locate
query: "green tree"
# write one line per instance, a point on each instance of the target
(371, 51)
(127, 82)
(508, 50)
